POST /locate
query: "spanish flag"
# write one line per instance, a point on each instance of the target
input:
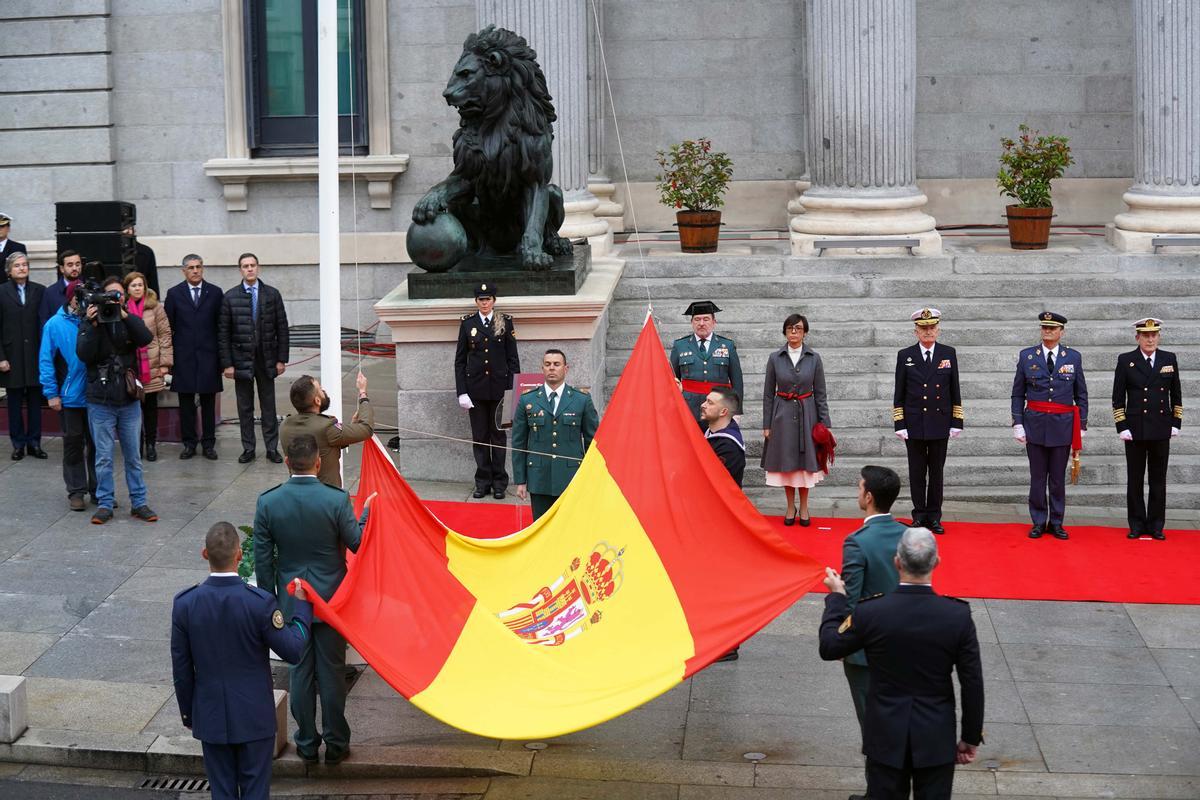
(652, 565)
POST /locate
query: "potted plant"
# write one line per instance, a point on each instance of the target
(693, 182)
(1027, 166)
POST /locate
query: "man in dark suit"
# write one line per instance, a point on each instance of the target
(1148, 411)
(914, 640)
(7, 246)
(221, 633)
(70, 264)
(927, 412)
(252, 340)
(302, 529)
(193, 309)
(20, 342)
(1049, 417)
(485, 362)
(868, 565)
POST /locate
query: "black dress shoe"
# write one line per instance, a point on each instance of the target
(35, 451)
(246, 457)
(1159, 535)
(210, 454)
(151, 452)
(274, 457)
(187, 453)
(498, 494)
(308, 758)
(1133, 535)
(479, 494)
(335, 758)
(1059, 532)
(803, 522)
(1035, 532)
(936, 527)
(18, 453)
(789, 521)
(732, 655)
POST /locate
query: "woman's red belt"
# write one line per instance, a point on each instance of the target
(793, 395)
(1060, 408)
(700, 387)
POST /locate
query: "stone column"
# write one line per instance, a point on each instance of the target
(558, 31)
(1165, 196)
(599, 182)
(861, 93)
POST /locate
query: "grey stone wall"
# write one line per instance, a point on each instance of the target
(984, 67)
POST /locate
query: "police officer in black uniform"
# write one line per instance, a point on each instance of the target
(484, 365)
(1148, 411)
(927, 412)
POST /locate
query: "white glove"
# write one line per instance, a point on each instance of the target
(465, 402)
(1083, 433)
(1019, 433)
(903, 434)
(1175, 432)
(1126, 435)
(955, 433)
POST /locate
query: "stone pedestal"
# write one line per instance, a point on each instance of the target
(1165, 196)
(861, 68)
(281, 721)
(425, 334)
(564, 277)
(14, 708)
(557, 30)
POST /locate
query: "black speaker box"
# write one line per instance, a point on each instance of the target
(92, 217)
(116, 251)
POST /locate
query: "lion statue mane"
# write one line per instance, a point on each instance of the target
(500, 189)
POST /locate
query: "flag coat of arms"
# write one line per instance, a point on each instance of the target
(649, 567)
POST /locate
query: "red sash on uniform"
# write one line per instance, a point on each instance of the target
(1059, 408)
(700, 387)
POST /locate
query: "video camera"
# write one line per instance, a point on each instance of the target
(109, 303)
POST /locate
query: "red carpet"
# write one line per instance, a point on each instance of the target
(979, 559)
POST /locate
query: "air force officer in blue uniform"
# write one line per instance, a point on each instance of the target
(221, 631)
(1049, 417)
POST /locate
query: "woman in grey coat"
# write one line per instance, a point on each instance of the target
(794, 400)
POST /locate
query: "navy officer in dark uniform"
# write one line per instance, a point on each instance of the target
(703, 360)
(913, 638)
(484, 365)
(927, 412)
(221, 633)
(1148, 410)
(1049, 417)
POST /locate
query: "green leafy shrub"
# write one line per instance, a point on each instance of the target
(693, 177)
(1028, 165)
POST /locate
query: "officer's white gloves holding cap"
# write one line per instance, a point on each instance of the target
(1126, 435)
(1019, 433)
(903, 434)
(955, 433)
(1175, 432)
(465, 402)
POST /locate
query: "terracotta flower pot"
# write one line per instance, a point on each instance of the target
(1028, 228)
(698, 230)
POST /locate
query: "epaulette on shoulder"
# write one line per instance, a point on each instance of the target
(258, 590)
(684, 338)
(875, 596)
(273, 488)
(337, 489)
(507, 317)
(532, 390)
(466, 317)
(182, 592)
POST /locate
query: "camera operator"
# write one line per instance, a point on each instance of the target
(107, 345)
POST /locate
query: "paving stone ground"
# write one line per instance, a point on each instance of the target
(1083, 699)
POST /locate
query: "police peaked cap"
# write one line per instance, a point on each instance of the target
(486, 290)
(701, 307)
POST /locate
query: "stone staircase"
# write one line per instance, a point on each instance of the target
(858, 309)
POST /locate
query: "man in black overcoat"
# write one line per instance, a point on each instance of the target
(20, 341)
(193, 308)
(485, 362)
(7, 246)
(914, 640)
(1148, 411)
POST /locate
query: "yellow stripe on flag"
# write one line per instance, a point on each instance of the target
(589, 611)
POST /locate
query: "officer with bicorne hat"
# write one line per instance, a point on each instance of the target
(927, 412)
(703, 360)
(1148, 412)
(485, 362)
(1049, 417)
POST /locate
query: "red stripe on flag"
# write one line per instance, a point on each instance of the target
(731, 571)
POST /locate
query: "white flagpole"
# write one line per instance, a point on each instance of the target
(327, 178)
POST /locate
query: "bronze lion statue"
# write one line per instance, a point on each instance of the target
(500, 189)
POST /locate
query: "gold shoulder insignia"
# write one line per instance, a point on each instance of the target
(277, 620)
(846, 623)
(465, 317)
(872, 597)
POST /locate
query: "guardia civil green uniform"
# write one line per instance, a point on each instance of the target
(302, 529)
(700, 366)
(558, 441)
(332, 436)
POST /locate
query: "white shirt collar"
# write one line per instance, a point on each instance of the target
(906, 583)
(1056, 351)
(223, 575)
(925, 349)
(191, 288)
(548, 390)
(248, 287)
(875, 516)
(302, 477)
(1151, 356)
(487, 318)
(708, 338)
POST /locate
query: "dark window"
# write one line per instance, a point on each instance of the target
(281, 51)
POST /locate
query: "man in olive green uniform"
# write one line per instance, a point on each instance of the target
(703, 360)
(310, 402)
(302, 529)
(868, 565)
(557, 420)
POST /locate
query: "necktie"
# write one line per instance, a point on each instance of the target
(254, 302)
(1050, 361)
(704, 345)
(554, 403)
(21, 294)
(928, 357)
(1150, 363)
(196, 296)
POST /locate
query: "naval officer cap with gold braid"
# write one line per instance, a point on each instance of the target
(1148, 325)
(927, 317)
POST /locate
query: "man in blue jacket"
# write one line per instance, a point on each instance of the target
(64, 384)
(221, 633)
